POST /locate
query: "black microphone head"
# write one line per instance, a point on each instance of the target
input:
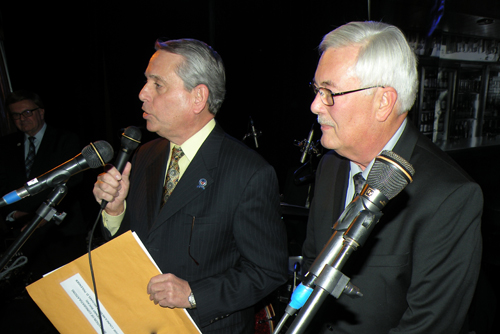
(98, 154)
(131, 138)
(390, 174)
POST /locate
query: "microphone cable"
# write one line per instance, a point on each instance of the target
(131, 139)
(91, 237)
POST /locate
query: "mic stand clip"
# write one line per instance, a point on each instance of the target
(45, 211)
(330, 280)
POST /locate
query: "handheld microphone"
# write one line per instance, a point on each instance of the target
(389, 175)
(92, 156)
(131, 139)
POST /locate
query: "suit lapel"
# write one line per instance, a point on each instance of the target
(340, 180)
(196, 179)
(155, 172)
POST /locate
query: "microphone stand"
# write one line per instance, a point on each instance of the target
(308, 148)
(331, 281)
(324, 276)
(307, 145)
(45, 211)
(253, 133)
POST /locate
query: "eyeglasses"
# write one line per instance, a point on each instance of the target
(327, 95)
(25, 114)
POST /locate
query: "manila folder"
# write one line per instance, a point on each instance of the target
(122, 270)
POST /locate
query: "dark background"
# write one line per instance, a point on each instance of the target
(87, 61)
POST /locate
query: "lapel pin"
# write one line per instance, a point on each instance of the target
(202, 183)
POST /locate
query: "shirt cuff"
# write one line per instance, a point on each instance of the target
(112, 223)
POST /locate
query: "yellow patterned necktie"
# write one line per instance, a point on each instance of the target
(172, 174)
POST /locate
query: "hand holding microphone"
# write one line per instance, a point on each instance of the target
(112, 186)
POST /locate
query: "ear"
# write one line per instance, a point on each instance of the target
(42, 113)
(200, 96)
(386, 102)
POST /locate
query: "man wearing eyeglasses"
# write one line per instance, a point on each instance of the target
(418, 269)
(35, 149)
(204, 204)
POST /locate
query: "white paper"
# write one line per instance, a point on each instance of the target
(84, 298)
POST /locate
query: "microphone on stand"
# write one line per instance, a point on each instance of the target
(131, 139)
(307, 145)
(389, 175)
(253, 133)
(92, 156)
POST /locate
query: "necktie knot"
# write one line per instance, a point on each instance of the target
(176, 154)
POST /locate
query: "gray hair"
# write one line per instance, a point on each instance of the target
(385, 58)
(201, 65)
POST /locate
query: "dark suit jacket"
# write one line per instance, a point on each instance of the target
(419, 267)
(57, 147)
(237, 236)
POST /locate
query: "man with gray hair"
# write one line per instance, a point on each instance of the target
(419, 267)
(205, 205)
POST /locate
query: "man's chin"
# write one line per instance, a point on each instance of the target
(25, 129)
(327, 143)
(150, 126)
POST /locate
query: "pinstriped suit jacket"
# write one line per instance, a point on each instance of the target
(237, 237)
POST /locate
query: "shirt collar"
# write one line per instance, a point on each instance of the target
(191, 146)
(388, 147)
(39, 134)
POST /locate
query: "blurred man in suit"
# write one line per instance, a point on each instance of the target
(419, 268)
(205, 205)
(35, 149)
